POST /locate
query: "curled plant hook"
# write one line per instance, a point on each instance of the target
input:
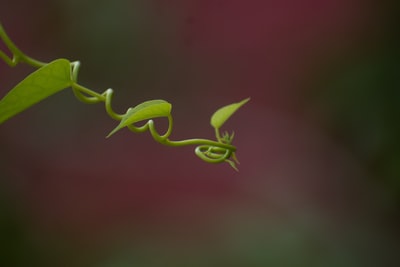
(213, 154)
(64, 74)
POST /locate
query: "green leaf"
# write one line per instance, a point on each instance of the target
(147, 110)
(42, 83)
(224, 113)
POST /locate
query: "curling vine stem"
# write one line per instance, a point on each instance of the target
(208, 150)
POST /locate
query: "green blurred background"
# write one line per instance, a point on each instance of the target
(319, 180)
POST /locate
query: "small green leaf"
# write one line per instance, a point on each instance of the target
(42, 83)
(233, 164)
(224, 113)
(144, 111)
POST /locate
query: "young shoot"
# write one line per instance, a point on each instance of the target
(50, 78)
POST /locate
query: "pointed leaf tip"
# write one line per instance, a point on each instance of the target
(147, 110)
(224, 113)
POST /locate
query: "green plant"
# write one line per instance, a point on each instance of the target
(50, 78)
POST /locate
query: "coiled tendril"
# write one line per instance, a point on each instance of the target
(209, 151)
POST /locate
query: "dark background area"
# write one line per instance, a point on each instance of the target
(319, 179)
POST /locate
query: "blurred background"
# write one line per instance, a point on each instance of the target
(319, 179)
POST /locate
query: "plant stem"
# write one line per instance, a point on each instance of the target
(199, 141)
(18, 55)
(207, 150)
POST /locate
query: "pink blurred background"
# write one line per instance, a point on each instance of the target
(318, 142)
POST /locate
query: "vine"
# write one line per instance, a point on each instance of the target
(50, 78)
